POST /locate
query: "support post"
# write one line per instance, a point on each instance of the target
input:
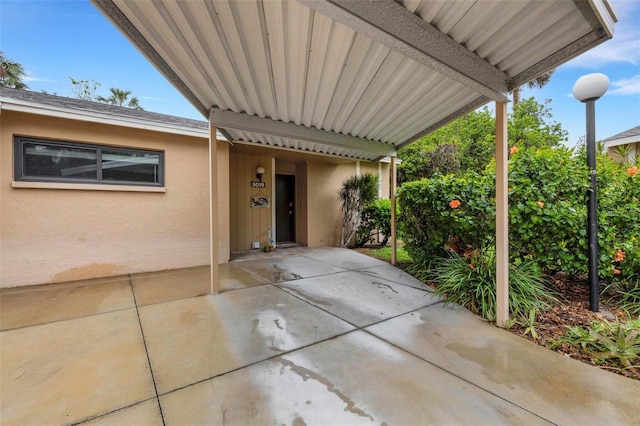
(392, 195)
(502, 216)
(213, 207)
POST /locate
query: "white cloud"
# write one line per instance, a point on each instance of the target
(624, 47)
(30, 78)
(626, 86)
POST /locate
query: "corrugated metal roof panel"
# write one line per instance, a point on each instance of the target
(268, 140)
(287, 62)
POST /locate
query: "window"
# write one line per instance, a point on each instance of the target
(39, 160)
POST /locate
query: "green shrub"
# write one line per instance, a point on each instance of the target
(547, 209)
(446, 210)
(618, 220)
(376, 218)
(471, 282)
(547, 214)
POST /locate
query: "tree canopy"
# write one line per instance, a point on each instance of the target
(11, 73)
(121, 98)
(86, 90)
(468, 144)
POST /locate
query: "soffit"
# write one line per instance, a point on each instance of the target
(356, 79)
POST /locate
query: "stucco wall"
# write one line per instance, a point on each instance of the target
(323, 183)
(55, 235)
(324, 216)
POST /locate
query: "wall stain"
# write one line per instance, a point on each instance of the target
(95, 270)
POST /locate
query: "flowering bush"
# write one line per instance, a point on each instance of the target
(446, 212)
(547, 213)
(547, 209)
(618, 220)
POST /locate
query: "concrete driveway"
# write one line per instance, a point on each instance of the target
(298, 337)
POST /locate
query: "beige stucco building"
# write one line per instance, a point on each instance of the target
(63, 225)
(625, 146)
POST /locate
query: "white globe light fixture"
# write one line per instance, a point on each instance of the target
(259, 172)
(588, 89)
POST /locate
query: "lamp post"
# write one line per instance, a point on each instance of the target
(588, 89)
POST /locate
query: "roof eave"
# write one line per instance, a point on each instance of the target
(9, 104)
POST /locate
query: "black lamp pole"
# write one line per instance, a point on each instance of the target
(592, 207)
(588, 89)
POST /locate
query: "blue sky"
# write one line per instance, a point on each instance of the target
(55, 40)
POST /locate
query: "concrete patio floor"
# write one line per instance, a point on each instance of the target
(313, 336)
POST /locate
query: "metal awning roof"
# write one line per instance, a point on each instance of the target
(356, 79)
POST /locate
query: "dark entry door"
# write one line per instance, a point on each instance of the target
(285, 208)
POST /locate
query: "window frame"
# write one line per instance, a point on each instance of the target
(19, 143)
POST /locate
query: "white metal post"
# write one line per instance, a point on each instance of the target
(502, 216)
(392, 195)
(213, 207)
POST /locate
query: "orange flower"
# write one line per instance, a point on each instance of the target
(540, 204)
(454, 204)
(619, 255)
(513, 150)
(617, 271)
(631, 171)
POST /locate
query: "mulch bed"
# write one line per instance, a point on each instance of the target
(573, 310)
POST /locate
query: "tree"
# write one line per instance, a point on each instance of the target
(11, 73)
(121, 98)
(467, 143)
(531, 126)
(356, 193)
(84, 89)
(470, 140)
(538, 83)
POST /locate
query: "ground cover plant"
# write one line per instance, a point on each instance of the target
(614, 342)
(384, 253)
(469, 281)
